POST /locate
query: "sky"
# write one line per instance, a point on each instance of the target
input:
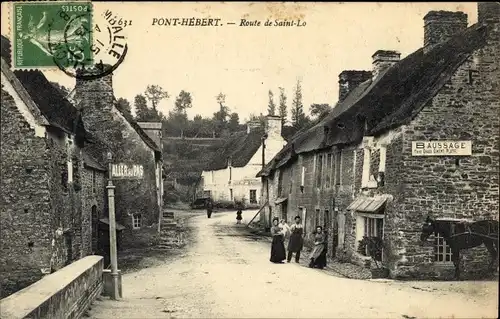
(246, 62)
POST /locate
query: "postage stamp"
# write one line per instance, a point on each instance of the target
(51, 34)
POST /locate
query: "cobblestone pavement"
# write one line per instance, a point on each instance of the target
(225, 273)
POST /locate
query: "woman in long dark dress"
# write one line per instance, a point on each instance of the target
(277, 247)
(296, 242)
(318, 255)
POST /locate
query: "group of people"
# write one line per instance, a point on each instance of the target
(280, 231)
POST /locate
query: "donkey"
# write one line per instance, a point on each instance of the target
(464, 235)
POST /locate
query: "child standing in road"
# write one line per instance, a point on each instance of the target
(238, 213)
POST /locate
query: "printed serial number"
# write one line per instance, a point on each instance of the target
(75, 8)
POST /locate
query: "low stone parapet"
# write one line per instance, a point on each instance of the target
(66, 293)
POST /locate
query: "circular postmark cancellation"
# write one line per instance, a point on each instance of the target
(70, 54)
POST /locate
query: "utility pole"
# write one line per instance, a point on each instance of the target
(115, 294)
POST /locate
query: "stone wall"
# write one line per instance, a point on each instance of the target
(103, 119)
(90, 199)
(26, 212)
(445, 186)
(66, 293)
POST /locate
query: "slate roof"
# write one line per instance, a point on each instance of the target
(240, 148)
(391, 100)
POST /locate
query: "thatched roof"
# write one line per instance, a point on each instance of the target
(391, 100)
(239, 149)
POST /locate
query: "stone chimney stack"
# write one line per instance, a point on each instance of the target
(488, 12)
(273, 126)
(252, 125)
(349, 80)
(384, 59)
(439, 26)
(153, 130)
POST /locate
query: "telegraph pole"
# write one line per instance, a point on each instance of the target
(115, 294)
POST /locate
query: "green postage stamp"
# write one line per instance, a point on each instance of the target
(51, 34)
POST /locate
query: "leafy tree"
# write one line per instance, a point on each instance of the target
(183, 102)
(141, 107)
(234, 122)
(145, 114)
(282, 106)
(320, 110)
(271, 107)
(298, 115)
(220, 117)
(155, 93)
(124, 106)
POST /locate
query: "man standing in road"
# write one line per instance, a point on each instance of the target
(209, 207)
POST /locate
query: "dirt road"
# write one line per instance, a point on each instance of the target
(225, 273)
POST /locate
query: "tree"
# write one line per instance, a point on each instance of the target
(124, 106)
(271, 107)
(141, 107)
(145, 114)
(320, 110)
(298, 115)
(220, 117)
(155, 93)
(282, 106)
(183, 102)
(234, 122)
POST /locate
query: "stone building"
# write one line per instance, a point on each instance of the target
(50, 182)
(355, 173)
(230, 176)
(138, 203)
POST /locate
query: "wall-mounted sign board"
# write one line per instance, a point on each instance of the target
(441, 148)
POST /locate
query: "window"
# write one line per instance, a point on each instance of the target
(136, 221)
(317, 218)
(328, 170)
(373, 227)
(338, 162)
(365, 178)
(253, 196)
(442, 252)
(93, 182)
(230, 194)
(280, 182)
(230, 173)
(319, 170)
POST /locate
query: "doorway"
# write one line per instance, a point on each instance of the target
(95, 229)
(284, 211)
(69, 247)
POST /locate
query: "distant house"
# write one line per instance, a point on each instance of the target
(230, 176)
(355, 172)
(51, 184)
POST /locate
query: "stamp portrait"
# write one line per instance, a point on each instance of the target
(48, 34)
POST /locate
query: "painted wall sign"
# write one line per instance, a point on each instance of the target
(441, 148)
(127, 171)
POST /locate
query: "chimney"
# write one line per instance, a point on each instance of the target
(94, 92)
(153, 130)
(439, 26)
(349, 80)
(384, 59)
(488, 12)
(252, 125)
(273, 127)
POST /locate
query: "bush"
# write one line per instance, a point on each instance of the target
(371, 246)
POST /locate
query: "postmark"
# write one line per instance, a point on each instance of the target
(43, 30)
(108, 45)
